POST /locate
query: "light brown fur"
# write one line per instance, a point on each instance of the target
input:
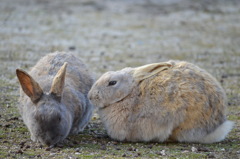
(178, 101)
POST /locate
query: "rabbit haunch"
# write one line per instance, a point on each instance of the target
(171, 100)
(53, 98)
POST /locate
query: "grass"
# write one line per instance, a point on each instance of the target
(93, 143)
(111, 39)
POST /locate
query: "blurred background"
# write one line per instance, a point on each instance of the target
(113, 34)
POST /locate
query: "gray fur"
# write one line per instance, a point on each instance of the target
(51, 118)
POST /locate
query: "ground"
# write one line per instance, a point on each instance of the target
(110, 35)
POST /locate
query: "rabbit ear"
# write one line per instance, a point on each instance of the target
(143, 72)
(29, 85)
(58, 81)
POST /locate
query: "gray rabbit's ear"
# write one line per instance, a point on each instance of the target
(58, 81)
(146, 71)
(29, 85)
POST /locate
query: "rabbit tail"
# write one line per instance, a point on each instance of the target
(219, 134)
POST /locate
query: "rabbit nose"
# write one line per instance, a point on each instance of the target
(93, 95)
(90, 97)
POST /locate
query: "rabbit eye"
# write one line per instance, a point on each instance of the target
(111, 83)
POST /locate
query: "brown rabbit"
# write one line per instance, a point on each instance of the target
(170, 100)
(52, 110)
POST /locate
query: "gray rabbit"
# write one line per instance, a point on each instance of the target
(170, 100)
(53, 98)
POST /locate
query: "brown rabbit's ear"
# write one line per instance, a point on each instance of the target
(58, 81)
(143, 72)
(29, 85)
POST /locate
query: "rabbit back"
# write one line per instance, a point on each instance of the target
(186, 97)
(77, 73)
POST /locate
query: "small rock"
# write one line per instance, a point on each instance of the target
(52, 154)
(77, 149)
(48, 149)
(162, 153)
(5, 141)
(135, 150)
(72, 48)
(185, 151)
(203, 149)
(224, 76)
(38, 156)
(124, 155)
(150, 146)
(194, 149)
(77, 153)
(117, 148)
(20, 152)
(130, 149)
(27, 147)
(114, 142)
(211, 155)
(94, 118)
(103, 147)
